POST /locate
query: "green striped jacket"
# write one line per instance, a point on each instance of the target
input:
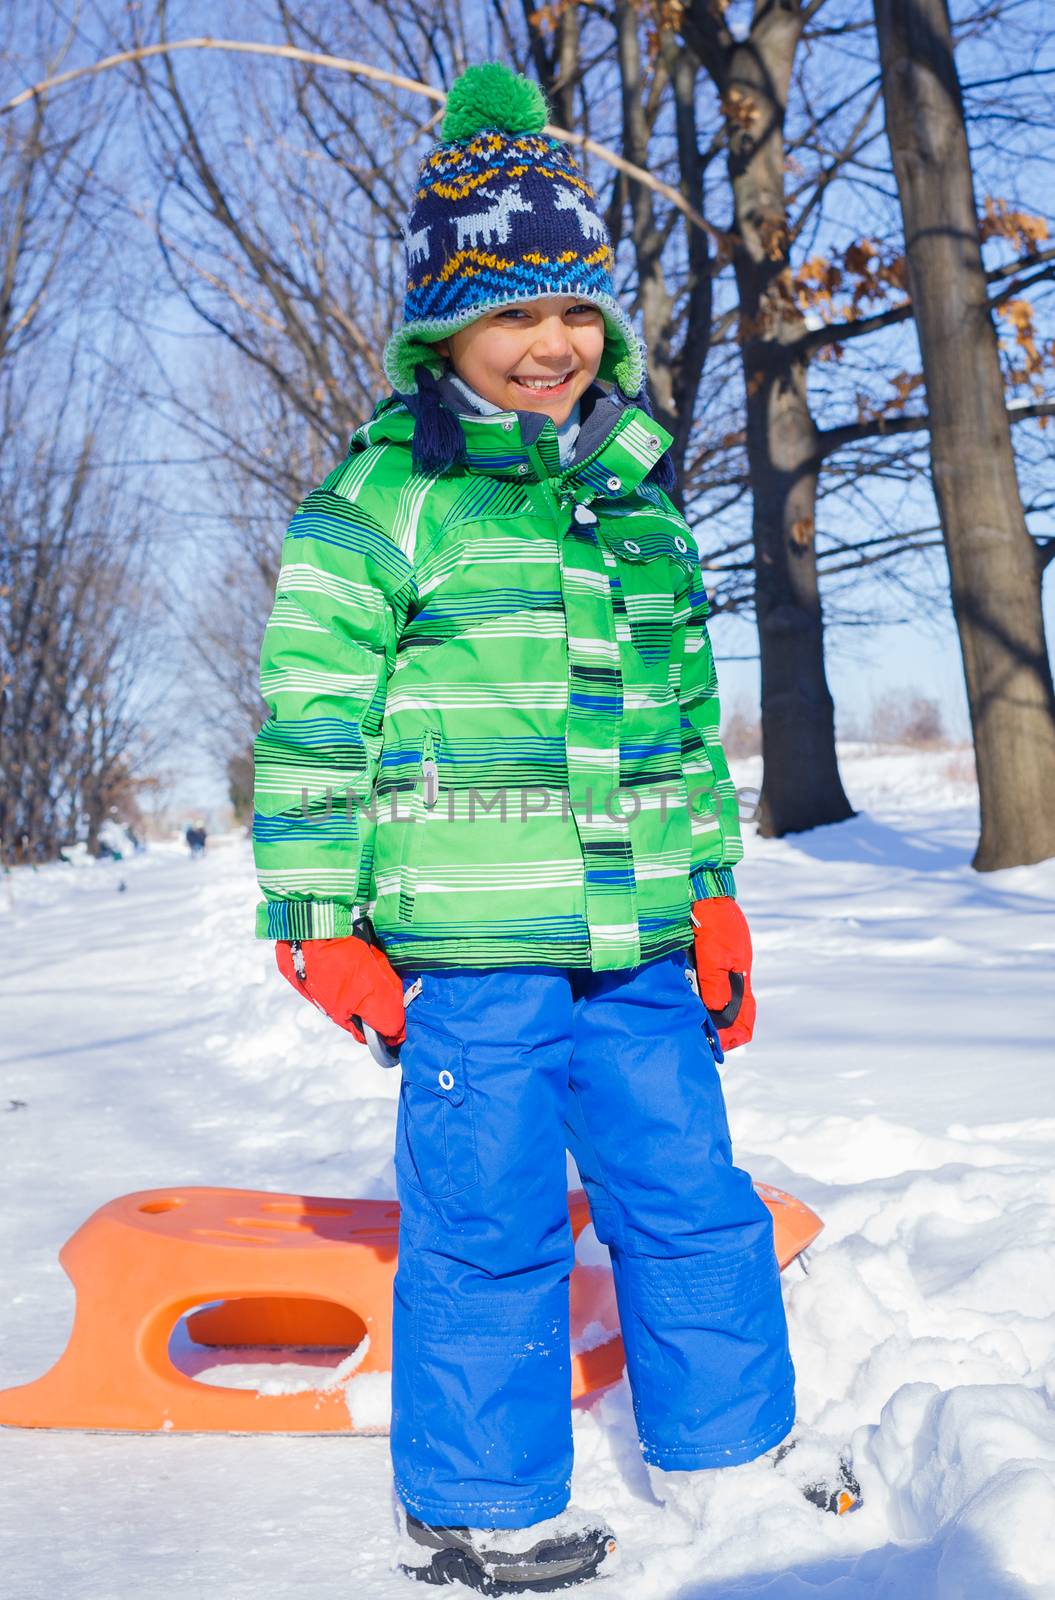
(493, 706)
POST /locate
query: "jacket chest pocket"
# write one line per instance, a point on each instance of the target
(643, 599)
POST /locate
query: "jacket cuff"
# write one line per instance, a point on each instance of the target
(708, 883)
(305, 919)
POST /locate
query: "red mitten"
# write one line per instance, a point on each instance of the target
(348, 979)
(722, 941)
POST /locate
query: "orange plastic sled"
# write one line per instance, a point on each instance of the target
(272, 1270)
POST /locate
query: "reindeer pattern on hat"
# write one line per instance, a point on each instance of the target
(490, 226)
(590, 223)
(417, 244)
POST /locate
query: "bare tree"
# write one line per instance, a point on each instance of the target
(74, 607)
(72, 601)
(43, 179)
(994, 564)
(801, 786)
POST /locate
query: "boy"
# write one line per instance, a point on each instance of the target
(489, 639)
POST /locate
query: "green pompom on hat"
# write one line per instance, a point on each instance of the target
(503, 214)
(491, 96)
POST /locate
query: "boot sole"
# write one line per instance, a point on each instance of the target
(456, 1566)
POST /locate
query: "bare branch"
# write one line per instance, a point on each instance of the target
(360, 69)
(833, 439)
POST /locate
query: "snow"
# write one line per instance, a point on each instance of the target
(898, 1084)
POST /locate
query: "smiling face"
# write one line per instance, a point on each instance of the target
(536, 355)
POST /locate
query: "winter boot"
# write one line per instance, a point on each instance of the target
(829, 1485)
(555, 1554)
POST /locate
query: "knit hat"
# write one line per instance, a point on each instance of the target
(502, 214)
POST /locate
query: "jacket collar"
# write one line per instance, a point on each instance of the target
(617, 447)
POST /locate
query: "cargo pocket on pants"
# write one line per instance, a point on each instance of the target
(436, 1134)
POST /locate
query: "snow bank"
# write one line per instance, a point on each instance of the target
(974, 1466)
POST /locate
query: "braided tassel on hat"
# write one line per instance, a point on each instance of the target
(438, 441)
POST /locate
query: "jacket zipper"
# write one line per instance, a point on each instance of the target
(430, 772)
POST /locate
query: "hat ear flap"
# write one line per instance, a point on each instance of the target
(662, 474)
(438, 441)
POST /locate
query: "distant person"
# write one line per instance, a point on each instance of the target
(196, 838)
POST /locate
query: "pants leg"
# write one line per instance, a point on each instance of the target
(481, 1390)
(696, 1275)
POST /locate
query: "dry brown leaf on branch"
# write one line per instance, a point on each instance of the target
(740, 109)
(1037, 359)
(816, 282)
(875, 272)
(905, 385)
(866, 273)
(1020, 315)
(724, 248)
(548, 18)
(1000, 221)
(663, 17)
(775, 238)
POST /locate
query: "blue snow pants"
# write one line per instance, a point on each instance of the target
(501, 1071)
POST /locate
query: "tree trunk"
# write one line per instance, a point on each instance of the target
(674, 374)
(801, 786)
(995, 572)
(553, 36)
(653, 294)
